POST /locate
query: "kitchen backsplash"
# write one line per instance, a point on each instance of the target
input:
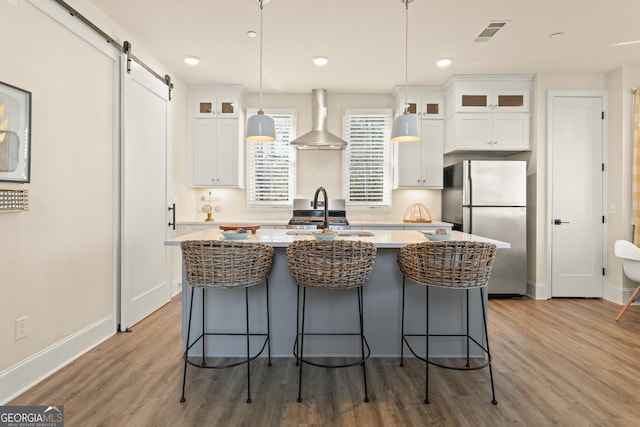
(230, 205)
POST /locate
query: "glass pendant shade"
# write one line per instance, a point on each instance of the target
(261, 127)
(405, 129)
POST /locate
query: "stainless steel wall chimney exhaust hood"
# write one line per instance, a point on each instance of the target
(319, 138)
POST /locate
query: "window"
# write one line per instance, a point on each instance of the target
(271, 165)
(366, 164)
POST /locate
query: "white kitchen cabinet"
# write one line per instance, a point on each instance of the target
(210, 106)
(487, 131)
(216, 136)
(492, 100)
(420, 163)
(215, 153)
(426, 102)
(487, 113)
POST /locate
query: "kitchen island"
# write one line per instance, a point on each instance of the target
(337, 310)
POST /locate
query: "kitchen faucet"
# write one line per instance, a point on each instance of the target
(325, 224)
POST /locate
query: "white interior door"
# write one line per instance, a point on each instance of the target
(576, 141)
(145, 283)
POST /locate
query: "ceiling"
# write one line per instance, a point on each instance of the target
(364, 40)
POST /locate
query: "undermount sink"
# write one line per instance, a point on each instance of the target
(344, 233)
(355, 233)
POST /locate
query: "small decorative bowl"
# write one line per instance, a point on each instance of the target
(324, 236)
(236, 234)
(437, 237)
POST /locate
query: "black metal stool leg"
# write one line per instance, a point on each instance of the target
(268, 324)
(361, 312)
(186, 351)
(486, 333)
(467, 332)
(402, 324)
(246, 303)
(426, 356)
(204, 353)
(304, 302)
(295, 343)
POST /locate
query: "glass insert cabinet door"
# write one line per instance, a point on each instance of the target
(216, 108)
(425, 108)
(508, 100)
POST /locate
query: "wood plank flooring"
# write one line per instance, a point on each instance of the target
(562, 362)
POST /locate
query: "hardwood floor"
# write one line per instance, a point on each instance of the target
(563, 362)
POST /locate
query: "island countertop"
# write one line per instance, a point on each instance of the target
(380, 238)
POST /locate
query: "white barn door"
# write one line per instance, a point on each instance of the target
(145, 283)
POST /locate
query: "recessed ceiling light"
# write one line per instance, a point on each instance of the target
(627, 43)
(192, 60)
(320, 60)
(444, 62)
(252, 34)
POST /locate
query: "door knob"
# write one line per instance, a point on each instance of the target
(559, 221)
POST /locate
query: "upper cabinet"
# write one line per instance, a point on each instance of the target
(209, 106)
(426, 102)
(488, 100)
(487, 113)
(419, 164)
(216, 136)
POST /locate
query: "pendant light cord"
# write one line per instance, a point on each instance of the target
(406, 57)
(261, 36)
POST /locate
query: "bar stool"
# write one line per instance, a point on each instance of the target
(219, 265)
(453, 265)
(333, 265)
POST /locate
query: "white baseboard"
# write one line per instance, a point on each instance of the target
(617, 294)
(537, 290)
(20, 377)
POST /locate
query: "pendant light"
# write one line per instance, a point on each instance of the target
(261, 127)
(405, 126)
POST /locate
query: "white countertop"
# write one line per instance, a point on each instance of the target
(354, 223)
(380, 238)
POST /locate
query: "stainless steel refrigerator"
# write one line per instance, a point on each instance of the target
(488, 198)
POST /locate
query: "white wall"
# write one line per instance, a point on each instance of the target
(56, 259)
(620, 215)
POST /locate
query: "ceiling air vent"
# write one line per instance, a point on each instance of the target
(490, 30)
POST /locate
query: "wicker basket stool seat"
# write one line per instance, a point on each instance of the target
(216, 264)
(454, 265)
(330, 264)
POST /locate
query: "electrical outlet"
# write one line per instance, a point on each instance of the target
(21, 327)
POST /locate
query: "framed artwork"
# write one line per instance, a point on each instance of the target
(15, 134)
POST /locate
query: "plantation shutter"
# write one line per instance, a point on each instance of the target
(271, 165)
(367, 158)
